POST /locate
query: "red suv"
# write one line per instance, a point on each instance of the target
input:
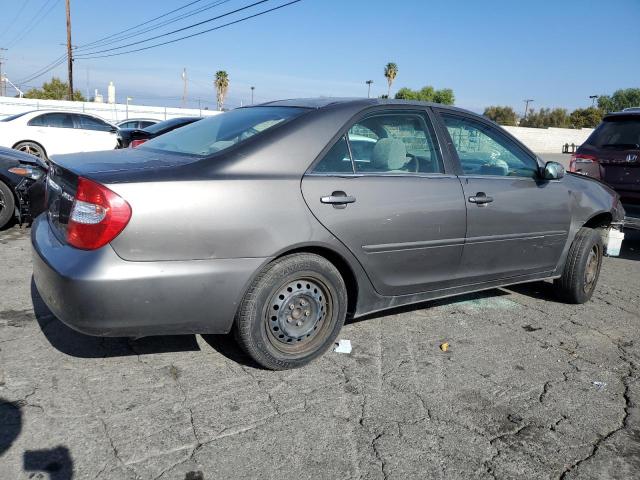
(612, 154)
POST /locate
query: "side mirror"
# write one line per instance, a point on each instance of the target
(553, 171)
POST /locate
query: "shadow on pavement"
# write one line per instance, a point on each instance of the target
(56, 462)
(10, 424)
(631, 245)
(76, 344)
(227, 346)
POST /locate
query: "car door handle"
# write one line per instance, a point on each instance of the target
(338, 199)
(481, 198)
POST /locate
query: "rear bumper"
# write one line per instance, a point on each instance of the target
(98, 293)
(632, 217)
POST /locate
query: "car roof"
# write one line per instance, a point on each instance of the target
(324, 102)
(624, 113)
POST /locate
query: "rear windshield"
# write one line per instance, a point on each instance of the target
(13, 117)
(160, 126)
(219, 132)
(622, 132)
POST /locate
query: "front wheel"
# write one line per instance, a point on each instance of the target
(293, 311)
(7, 204)
(582, 267)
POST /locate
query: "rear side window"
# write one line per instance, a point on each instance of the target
(56, 120)
(336, 160)
(622, 132)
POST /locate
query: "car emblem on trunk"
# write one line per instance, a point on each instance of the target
(632, 157)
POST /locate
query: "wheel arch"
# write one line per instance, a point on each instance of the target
(338, 261)
(31, 141)
(599, 220)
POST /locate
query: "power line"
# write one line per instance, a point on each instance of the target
(24, 5)
(143, 23)
(193, 34)
(118, 37)
(35, 21)
(209, 20)
(59, 61)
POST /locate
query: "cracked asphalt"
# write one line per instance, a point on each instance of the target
(530, 388)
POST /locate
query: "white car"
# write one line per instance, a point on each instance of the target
(44, 133)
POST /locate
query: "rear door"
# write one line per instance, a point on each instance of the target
(96, 134)
(384, 190)
(517, 223)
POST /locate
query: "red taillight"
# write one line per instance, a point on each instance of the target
(98, 215)
(580, 159)
(137, 143)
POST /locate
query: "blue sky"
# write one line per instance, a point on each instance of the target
(489, 52)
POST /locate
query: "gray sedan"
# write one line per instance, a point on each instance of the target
(281, 220)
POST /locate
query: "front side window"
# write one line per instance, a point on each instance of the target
(86, 122)
(56, 120)
(483, 151)
(401, 143)
(214, 134)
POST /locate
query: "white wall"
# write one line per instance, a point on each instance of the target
(110, 112)
(549, 140)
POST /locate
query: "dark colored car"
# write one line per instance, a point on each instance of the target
(133, 137)
(612, 154)
(21, 186)
(267, 221)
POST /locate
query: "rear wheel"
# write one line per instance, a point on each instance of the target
(7, 205)
(582, 267)
(292, 312)
(31, 148)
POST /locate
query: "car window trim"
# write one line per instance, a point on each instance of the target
(501, 133)
(344, 130)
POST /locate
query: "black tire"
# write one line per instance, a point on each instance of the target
(7, 205)
(582, 268)
(292, 312)
(32, 148)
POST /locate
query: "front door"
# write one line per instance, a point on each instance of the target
(517, 223)
(382, 189)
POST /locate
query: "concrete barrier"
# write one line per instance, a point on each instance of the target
(549, 140)
(111, 112)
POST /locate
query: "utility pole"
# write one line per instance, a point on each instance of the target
(252, 89)
(69, 52)
(3, 88)
(184, 87)
(526, 107)
(369, 82)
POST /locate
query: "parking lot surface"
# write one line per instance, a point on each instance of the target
(529, 388)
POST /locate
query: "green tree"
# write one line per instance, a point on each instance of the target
(427, 94)
(502, 115)
(390, 72)
(621, 99)
(585, 117)
(546, 117)
(221, 83)
(56, 89)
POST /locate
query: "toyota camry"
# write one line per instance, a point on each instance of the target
(279, 221)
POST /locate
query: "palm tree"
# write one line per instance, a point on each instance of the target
(390, 71)
(221, 83)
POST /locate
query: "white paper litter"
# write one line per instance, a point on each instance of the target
(599, 385)
(344, 346)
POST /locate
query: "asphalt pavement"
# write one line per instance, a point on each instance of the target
(529, 388)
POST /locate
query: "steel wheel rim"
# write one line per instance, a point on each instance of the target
(297, 315)
(592, 268)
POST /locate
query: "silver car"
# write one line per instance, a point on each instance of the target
(281, 220)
